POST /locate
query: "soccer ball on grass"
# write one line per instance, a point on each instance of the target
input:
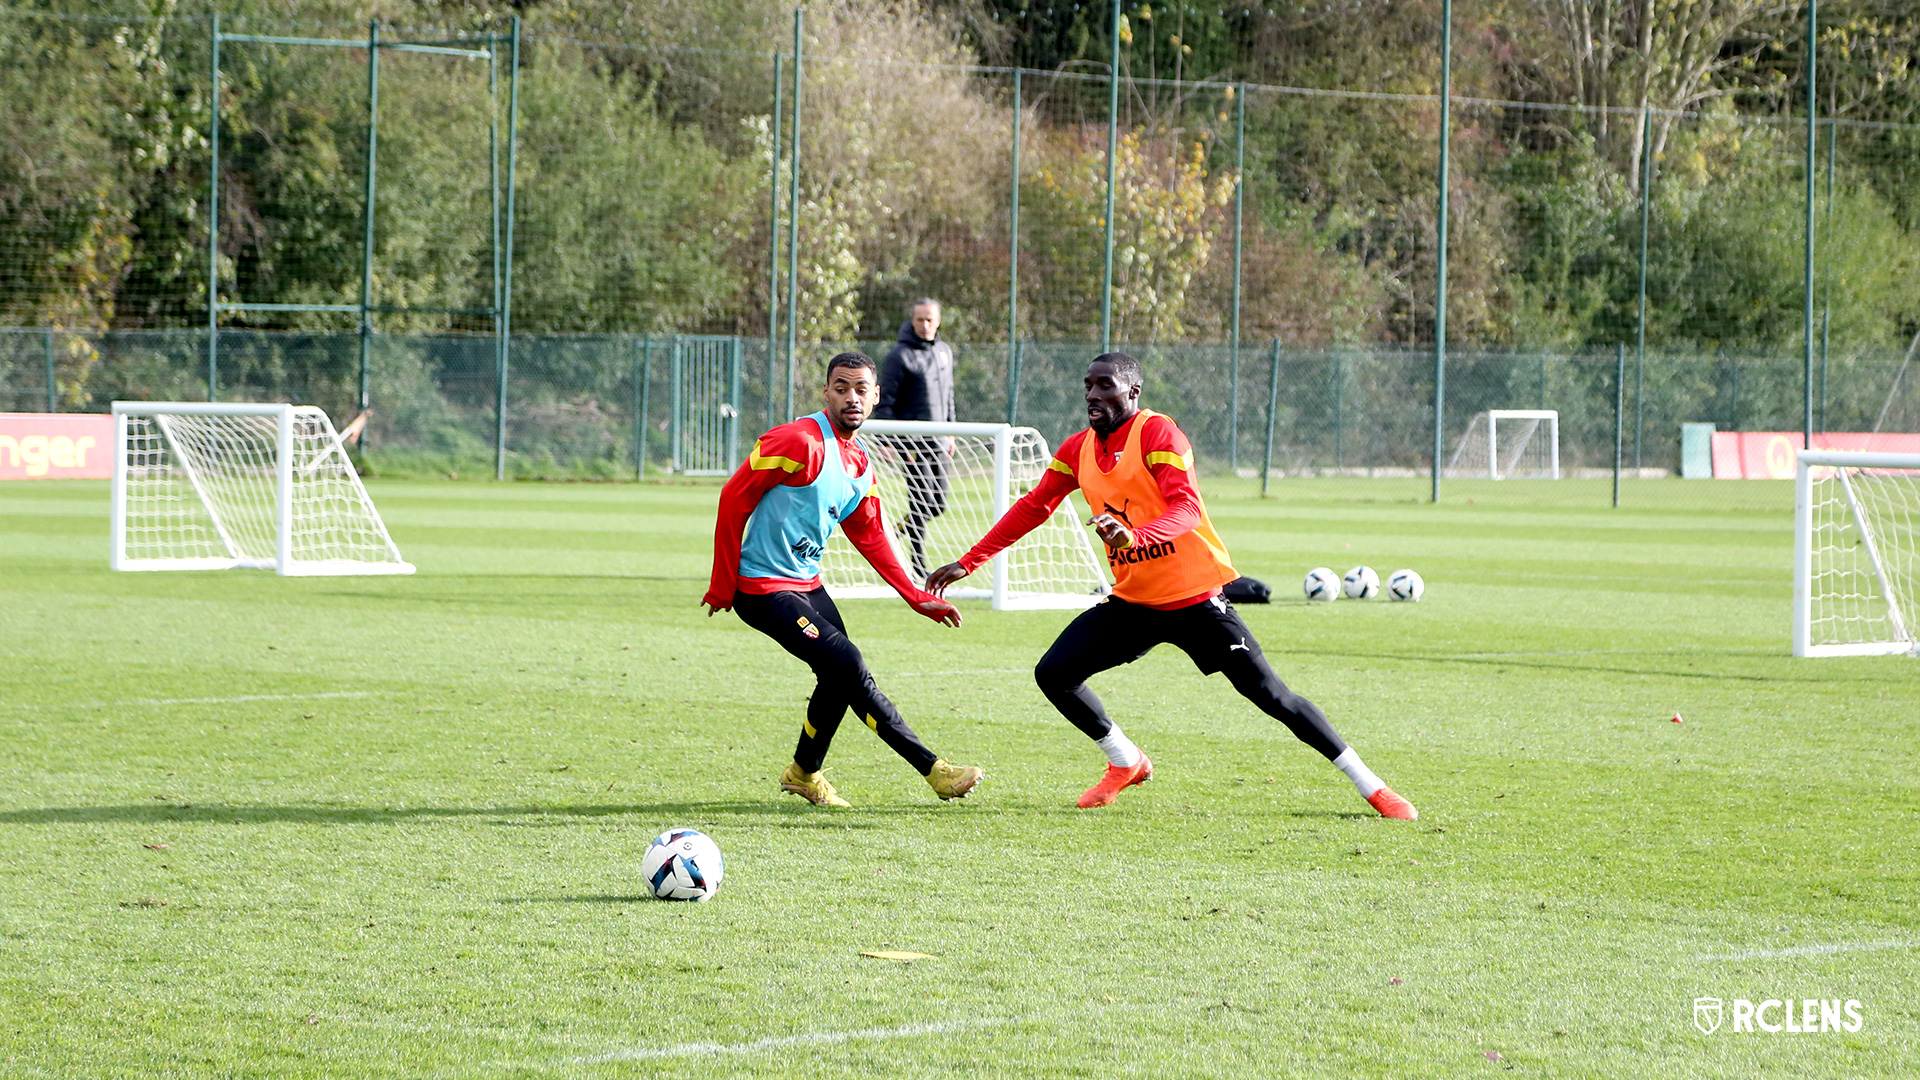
(1321, 584)
(1361, 583)
(683, 864)
(1405, 585)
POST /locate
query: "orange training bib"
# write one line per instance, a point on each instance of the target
(1188, 565)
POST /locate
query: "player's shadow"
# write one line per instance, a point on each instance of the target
(793, 814)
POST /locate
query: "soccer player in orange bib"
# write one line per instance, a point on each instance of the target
(776, 513)
(1135, 467)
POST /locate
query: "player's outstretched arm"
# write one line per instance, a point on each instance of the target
(1028, 513)
(867, 531)
(940, 580)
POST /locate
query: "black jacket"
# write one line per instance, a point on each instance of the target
(916, 380)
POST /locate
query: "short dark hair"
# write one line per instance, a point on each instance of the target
(853, 358)
(1123, 365)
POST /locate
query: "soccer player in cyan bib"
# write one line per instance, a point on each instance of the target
(1135, 467)
(776, 513)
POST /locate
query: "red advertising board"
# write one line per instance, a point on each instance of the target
(1768, 455)
(56, 446)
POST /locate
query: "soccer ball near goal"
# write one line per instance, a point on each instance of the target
(1321, 584)
(683, 864)
(1361, 583)
(1406, 585)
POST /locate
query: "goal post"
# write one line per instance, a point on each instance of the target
(972, 472)
(214, 486)
(1856, 553)
(1501, 444)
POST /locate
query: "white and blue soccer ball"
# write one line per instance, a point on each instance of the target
(683, 864)
(1405, 585)
(1321, 584)
(1361, 583)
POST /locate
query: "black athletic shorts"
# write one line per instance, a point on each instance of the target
(1210, 632)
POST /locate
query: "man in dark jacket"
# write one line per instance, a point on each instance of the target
(916, 383)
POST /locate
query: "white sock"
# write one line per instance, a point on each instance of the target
(1120, 749)
(1349, 762)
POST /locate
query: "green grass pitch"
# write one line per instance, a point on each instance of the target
(253, 826)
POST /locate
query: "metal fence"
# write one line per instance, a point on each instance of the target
(611, 405)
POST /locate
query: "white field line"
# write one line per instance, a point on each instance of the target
(1813, 950)
(199, 700)
(811, 1038)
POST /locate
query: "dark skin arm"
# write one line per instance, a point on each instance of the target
(1111, 401)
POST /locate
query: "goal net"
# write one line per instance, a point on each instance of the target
(1509, 443)
(1856, 573)
(218, 486)
(972, 473)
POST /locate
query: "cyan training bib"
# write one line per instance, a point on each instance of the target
(788, 531)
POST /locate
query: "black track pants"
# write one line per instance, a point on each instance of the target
(1115, 632)
(808, 626)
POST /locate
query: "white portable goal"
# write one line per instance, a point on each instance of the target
(209, 486)
(1509, 443)
(986, 468)
(1856, 573)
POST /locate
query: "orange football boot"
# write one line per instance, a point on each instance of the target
(1116, 778)
(1391, 805)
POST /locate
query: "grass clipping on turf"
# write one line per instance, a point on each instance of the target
(895, 954)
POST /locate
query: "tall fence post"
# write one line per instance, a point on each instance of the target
(1619, 411)
(773, 227)
(1640, 331)
(793, 215)
(1239, 199)
(51, 402)
(1440, 291)
(1113, 149)
(1273, 405)
(366, 215)
(1826, 285)
(503, 345)
(493, 177)
(1013, 265)
(213, 223)
(1813, 123)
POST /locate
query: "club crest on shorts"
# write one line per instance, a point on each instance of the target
(808, 628)
(1706, 1014)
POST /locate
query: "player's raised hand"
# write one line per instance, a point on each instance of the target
(938, 581)
(1112, 530)
(939, 611)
